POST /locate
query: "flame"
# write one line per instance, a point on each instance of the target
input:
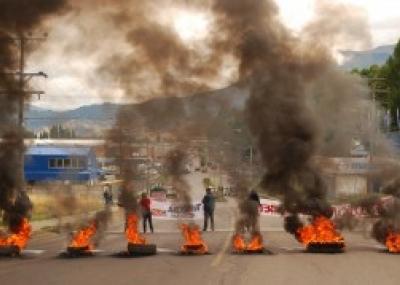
(193, 241)
(255, 245)
(393, 242)
(238, 243)
(20, 238)
(84, 236)
(322, 230)
(131, 231)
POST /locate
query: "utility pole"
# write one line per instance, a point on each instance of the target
(23, 77)
(22, 40)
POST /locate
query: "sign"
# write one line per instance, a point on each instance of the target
(170, 210)
(158, 195)
(269, 207)
(359, 212)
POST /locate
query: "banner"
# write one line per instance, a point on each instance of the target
(269, 207)
(170, 210)
(360, 212)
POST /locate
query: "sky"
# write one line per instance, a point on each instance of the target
(384, 16)
(66, 89)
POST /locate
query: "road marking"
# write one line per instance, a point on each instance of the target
(165, 250)
(90, 250)
(33, 251)
(218, 259)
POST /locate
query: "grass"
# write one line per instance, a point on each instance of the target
(52, 205)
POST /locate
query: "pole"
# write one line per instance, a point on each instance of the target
(21, 81)
(147, 167)
(251, 165)
(21, 106)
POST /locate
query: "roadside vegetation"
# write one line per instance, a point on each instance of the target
(52, 201)
(384, 81)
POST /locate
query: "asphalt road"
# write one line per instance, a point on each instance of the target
(363, 262)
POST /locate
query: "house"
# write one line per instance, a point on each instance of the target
(55, 163)
(348, 175)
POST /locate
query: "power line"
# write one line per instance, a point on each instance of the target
(23, 77)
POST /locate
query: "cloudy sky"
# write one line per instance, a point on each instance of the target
(384, 16)
(66, 88)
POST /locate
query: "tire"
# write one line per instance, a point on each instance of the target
(9, 251)
(142, 250)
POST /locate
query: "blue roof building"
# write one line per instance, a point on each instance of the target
(52, 163)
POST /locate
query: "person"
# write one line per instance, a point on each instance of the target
(253, 196)
(208, 207)
(107, 194)
(253, 212)
(146, 212)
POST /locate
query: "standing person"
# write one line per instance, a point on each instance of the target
(254, 204)
(208, 206)
(253, 196)
(107, 194)
(146, 212)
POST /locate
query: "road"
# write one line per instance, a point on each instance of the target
(364, 261)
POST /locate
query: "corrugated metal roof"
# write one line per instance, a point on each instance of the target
(58, 150)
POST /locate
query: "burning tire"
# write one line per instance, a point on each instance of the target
(193, 243)
(142, 249)
(10, 251)
(78, 251)
(316, 247)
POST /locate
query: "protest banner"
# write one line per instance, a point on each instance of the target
(170, 210)
(269, 207)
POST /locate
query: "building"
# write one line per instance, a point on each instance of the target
(60, 163)
(348, 175)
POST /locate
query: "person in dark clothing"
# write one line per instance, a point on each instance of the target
(253, 212)
(253, 196)
(208, 206)
(146, 212)
(108, 195)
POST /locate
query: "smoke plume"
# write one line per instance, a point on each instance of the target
(282, 73)
(299, 106)
(17, 19)
(175, 164)
(387, 212)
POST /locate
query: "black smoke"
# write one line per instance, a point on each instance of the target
(18, 18)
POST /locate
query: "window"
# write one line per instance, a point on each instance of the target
(67, 163)
(52, 163)
(60, 163)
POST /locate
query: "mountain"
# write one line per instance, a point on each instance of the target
(87, 121)
(364, 59)
(93, 120)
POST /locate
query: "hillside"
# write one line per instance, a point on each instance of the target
(363, 59)
(93, 120)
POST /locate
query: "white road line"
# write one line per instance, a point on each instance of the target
(166, 250)
(218, 259)
(33, 251)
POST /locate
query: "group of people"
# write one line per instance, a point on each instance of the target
(208, 202)
(208, 207)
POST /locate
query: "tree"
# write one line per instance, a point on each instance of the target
(387, 91)
(44, 135)
(58, 131)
